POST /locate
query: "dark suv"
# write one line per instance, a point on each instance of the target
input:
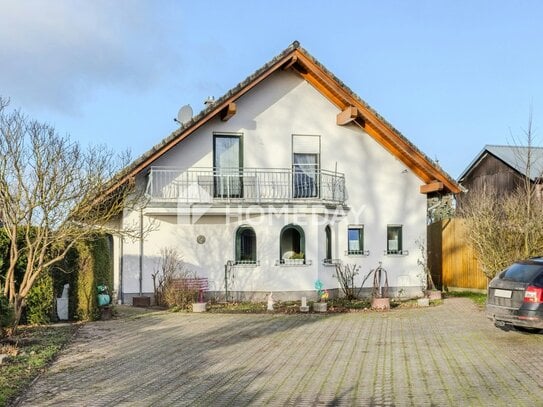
(515, 296)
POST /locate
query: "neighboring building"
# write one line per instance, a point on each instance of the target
(275, 182)
(502, 169)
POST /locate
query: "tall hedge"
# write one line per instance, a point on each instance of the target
(40, 300)
(86, 265)
(4, 256)
(6, 314)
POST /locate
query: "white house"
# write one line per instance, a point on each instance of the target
(275, 182)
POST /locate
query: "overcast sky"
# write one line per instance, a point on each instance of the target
(452, 76)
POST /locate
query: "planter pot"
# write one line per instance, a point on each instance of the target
(304, 308)
(199, 306)
(423, 302)
(434, 294)
(106, 313)
(320, 306)
(380, 304)
(141, 301)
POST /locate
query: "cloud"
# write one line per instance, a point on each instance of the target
(56, 54)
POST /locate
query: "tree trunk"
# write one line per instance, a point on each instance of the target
(18, 307)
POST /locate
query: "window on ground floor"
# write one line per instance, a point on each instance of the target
(355, 240)
(394, 239)
(292, 245)
(245, 245)
(328, 233)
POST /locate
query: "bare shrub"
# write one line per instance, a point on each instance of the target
(346, 274)
(180, 295)
(503, 229)
(170, 281)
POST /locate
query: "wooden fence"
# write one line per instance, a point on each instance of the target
(451, 259)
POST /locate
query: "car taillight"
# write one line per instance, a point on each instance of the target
(533, 294)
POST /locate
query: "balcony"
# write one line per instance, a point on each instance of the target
(245, 185)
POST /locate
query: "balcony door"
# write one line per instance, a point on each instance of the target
(227, 166)
(305, 175)
(305, 165)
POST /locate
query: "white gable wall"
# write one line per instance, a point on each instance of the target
(380, 191)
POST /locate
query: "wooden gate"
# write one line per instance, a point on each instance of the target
(451, 259)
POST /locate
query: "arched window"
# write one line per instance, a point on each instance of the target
(292, 245)
(245, 245)
(328, 233)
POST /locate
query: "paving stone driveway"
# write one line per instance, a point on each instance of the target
(440, 356)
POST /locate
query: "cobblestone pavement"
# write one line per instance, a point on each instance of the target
(449, 355)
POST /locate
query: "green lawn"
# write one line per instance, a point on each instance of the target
(30, 351)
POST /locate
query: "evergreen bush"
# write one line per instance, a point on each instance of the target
(40, 300)
(6, 314)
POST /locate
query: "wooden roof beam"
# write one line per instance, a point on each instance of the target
(290, 63)
(229, 110)
(348, 115)
(431, 187)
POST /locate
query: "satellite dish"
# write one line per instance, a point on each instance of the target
(184, 114)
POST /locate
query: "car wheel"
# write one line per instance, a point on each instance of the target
(528, 330)
(503, 325)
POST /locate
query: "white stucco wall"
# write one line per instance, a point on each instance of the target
(380, 191)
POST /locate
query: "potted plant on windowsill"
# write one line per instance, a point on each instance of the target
(297, 258)
(321, 305)
(379, 293)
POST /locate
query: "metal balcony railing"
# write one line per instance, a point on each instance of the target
(245, 185)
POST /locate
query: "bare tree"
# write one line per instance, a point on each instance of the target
(51, 194)
(504, 227)
(528, 213)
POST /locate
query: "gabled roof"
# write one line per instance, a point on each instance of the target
(515, 157)
(300, 61)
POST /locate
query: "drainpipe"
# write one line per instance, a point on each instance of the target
(141, 253)
(121, 267)
(226, 282)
